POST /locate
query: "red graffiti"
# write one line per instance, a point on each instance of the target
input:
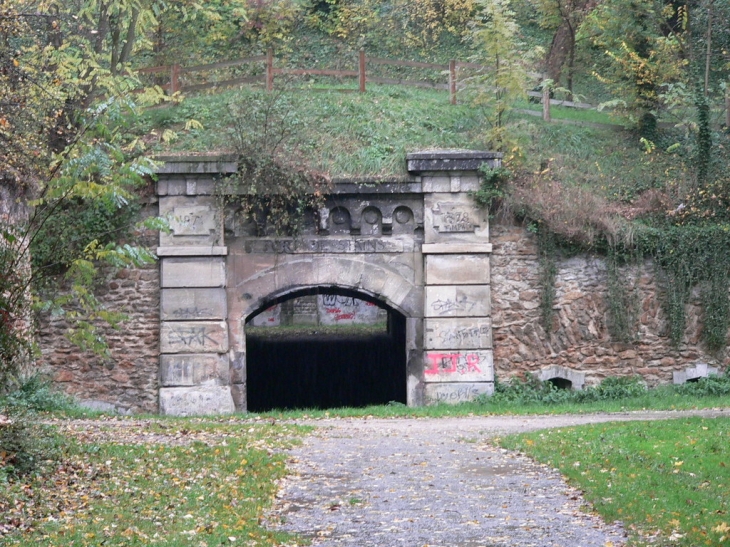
(333, 310)
(344, 316)
(440, 362)
(370, 304)
(451, 363)
(472, 363)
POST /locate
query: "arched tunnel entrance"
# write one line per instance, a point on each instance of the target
(332, 356)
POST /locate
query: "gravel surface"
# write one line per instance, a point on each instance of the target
(437, 482)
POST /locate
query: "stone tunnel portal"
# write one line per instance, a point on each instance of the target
(325, 364)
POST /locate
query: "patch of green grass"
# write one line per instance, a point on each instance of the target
(666, 480)
(183, 482)
(308, 330)
(659, 399)
(353, 135)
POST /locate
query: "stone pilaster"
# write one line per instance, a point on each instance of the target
(457, 335)
(195, 371)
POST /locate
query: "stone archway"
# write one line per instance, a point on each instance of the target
(321, 365)
(420, 246)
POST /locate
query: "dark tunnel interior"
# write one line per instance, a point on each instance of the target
(307, 368)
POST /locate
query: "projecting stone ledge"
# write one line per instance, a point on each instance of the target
(451, 160)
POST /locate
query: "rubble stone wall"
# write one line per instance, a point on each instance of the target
(127, 381)
(579, 338)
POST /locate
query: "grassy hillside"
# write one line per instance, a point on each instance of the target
(368, 135)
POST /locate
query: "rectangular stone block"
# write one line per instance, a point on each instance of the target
(193, 220)
(194, 369)
(193, 272)
(196, 401)
(457, 301)
(238, 368)
(453, 333)
(455, 393)
(458, 366)
(194, 337)
(439, 183)
(238, 392)
(186, 304)
(454, 218)
(454, 269)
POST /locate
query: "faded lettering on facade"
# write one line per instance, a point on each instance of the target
(324, 245)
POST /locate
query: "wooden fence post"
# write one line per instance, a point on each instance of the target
(546, 103)
(174, 79)
(452, 80)
(362, 70)
(270, 69)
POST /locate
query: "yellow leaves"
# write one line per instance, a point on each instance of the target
(721, 528)
(193, 124)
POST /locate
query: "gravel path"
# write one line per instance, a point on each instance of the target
(437, 483)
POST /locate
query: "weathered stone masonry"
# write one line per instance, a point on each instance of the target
(128, 382)
(579, 342)
(419, 247)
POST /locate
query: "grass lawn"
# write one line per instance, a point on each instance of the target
(661, 398)
(204, 481)
(166, 482)
(668, 481)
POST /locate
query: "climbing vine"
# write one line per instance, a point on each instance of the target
(493, 188)
(546, 249)
(622, 303)
(690, 256)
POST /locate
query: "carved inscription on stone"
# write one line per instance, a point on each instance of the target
(458, 366)
(457, 392)
(195, 220)
(449, 218)
(328, 245)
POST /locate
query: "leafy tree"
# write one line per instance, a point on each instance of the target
(644, 54)
(496, 38)
(65, 96)
(564, 18)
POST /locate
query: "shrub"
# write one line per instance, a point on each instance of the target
(35, 394)
(530, 390)
(26, 445)
(710, 386)
(620, 387)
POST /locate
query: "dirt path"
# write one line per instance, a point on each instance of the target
(438, 483)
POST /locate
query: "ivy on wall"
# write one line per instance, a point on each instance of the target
(547, 257)
(622, 304)
(690, 256)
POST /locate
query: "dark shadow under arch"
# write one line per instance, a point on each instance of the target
(561, 383)
(325, 370)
